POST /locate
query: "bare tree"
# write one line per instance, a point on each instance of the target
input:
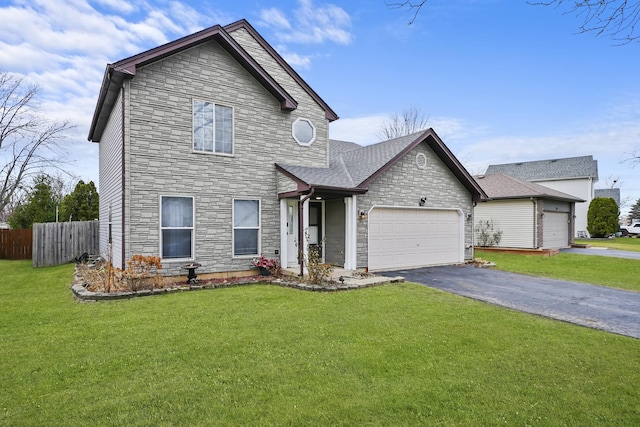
(29, 143)
(617, 19)
(614, 18)
(411, 120)
(415, 6)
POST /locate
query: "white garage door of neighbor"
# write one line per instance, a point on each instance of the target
(555, 233)
(408, 237)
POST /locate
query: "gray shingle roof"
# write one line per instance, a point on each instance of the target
(501, 186)
(613, 193)
(352, 166)
(553, 169)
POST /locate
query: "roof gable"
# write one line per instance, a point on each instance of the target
(116, 73)
(244, 24)
(552, 169)
(501, 186)
(353, 167)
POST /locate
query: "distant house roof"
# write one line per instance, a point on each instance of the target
(546, 170)
(500, 186)
(116, 73)
(612, 193)
(352, 167)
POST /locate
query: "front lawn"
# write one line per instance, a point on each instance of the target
(398, 354)
(597, 270)
(621, 243)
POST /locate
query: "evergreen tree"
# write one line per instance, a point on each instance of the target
(40, 205)
(82, 204)
(634, 213)
(602, 217)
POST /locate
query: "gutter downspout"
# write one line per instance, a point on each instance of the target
(301, 229)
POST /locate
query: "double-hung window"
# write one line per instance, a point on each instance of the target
(246, 227)
(176, 225)
(212, 127)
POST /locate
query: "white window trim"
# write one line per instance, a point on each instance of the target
(193, 228)
(233, 129)
(313, 127)
(233, 228)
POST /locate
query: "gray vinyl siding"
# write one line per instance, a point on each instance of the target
(110, 175)
(335, 232)
(515, 218)
(404, 184)
(162, 161)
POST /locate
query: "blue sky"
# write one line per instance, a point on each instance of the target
(500, 80)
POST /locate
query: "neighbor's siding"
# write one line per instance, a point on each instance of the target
(404, 184)
(162, 161)
(515, 218)
(110, 184)
(582, 188)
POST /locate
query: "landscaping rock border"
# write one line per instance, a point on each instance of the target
(81, 293)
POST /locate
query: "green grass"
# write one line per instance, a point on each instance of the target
(264, 355)
(622, 243)
(596, 270)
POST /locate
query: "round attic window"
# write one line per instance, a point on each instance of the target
(421, 161)
(303, 131)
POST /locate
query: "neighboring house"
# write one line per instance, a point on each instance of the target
(528, 215)
(611, 193)
(575, 176)
(214, 150)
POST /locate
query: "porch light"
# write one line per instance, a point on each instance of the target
(363, 215)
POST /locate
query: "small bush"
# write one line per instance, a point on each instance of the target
(486, 234)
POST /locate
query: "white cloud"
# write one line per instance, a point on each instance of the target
(361, 130)
(311, 24)
(275, 18)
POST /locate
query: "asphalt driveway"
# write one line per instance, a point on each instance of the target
(615, 253)
(596, 307)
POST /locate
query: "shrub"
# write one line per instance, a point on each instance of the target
(602, 217)
(486, 235)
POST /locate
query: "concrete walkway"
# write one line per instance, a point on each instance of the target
(596, 307)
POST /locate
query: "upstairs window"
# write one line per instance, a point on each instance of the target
(212, 127)
(303, 131)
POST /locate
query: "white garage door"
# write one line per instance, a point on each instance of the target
(407, 237)
(555, 233)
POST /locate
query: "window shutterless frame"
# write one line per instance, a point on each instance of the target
(246, 227)
(212, 128)
(177, 228)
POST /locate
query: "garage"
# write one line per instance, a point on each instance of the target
(555, 230)
(414, 237)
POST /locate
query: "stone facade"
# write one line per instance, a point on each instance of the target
(404, 184)
(162, 162)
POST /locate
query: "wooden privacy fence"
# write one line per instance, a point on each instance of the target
(57, 243)
(15, 244)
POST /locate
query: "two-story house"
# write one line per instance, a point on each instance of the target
(214, 150)
(575, 176)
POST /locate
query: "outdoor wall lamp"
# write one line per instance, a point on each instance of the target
(363, 215)
(469, 217)
(423, 201)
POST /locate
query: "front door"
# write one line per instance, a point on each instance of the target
(315, 227)
(292, 233)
